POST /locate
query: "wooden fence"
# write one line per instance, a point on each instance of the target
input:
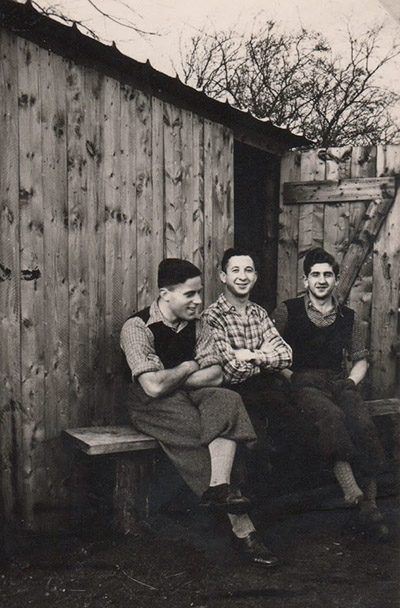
(98, 182)
(368, 221)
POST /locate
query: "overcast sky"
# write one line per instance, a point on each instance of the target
(177, 20)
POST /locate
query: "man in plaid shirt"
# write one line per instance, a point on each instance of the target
(251, 352)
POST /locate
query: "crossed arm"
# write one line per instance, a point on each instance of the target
(138, 345)
(239, 364)
(186, 375)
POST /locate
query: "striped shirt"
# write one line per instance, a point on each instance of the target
(232, 331)
(137, 342)
(357, 351)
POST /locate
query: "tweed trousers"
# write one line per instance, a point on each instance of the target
(185, 422)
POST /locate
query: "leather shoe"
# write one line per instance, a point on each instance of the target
(254, 551)
(224, 498)
(372, 523)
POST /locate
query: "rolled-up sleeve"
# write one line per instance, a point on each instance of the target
(206, 351)
(137, 342)
(358, 349)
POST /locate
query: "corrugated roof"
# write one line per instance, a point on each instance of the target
(69, 42)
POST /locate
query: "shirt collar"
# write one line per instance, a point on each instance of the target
(227, 307)
(334, 310)
(156, 316)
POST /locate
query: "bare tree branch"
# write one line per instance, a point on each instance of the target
(122, 22)
(296, 81)
(55, 10)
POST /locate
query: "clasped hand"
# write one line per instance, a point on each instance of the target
(244, 354)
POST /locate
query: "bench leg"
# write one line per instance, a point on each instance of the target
(131, 491)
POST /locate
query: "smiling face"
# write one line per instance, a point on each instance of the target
(321, 281)
(240, 275)
(181, 302)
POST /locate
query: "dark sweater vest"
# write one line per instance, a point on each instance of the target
(171, 347)
(317, 347)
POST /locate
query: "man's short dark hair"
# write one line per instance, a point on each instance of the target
(319, 256)
(173, 271)
(232, 251)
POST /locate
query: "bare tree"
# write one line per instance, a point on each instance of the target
(296, 81)
(55, 10)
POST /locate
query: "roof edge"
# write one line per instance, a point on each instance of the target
(67, 41)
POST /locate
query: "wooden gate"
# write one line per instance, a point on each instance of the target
(347, 201)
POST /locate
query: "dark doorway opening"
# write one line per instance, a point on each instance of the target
(257, 215)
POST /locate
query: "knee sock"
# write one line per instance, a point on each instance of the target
(222, 452)
(345, 477)
(241, 525)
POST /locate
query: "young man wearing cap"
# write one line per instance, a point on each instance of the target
(175, 397)
(319, 330)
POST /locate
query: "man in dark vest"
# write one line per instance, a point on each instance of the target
(175, 397)
(320, 331)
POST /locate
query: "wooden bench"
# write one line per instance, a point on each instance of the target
(114, 439)
(109, 440)
(133, 472)
(134, 465)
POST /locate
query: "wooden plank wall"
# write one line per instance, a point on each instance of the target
(375, 293)
(99, 181)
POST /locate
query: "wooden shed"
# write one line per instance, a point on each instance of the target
(106, 166)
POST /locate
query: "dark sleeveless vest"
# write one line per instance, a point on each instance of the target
(317, 347)
(171, 347)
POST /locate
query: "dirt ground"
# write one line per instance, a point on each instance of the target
(185, 560)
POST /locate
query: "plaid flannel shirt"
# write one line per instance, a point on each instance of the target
(231, 332)
(137, 342)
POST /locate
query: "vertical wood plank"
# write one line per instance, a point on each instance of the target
(158, 186)
(198, 191)
(95, 248)
(311, 217)
(218, 202)
(288, 231)
(208, 269)
(222, 199)
(114, 221)
(229, 213)
(146, 288)
(78, 277)
(187, 186)
(10, 297)
(385, 293)
(53, 111)
(336, 220)
(363, 164)
(33, 482)
(388, 160)
(128, 200)
(54, 177)
(174, 171)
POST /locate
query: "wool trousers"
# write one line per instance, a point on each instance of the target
(185, 422)
(339, 427)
